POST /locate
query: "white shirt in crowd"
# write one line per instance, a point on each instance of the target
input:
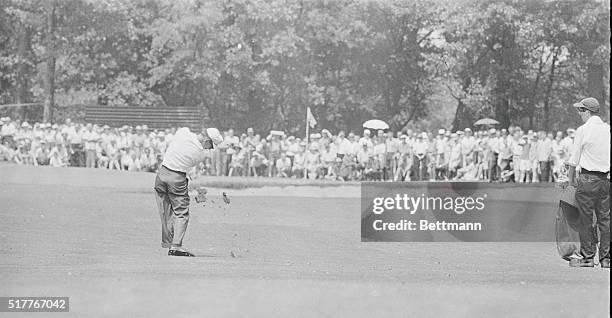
(591, 149)
(345, 147)
(184, 152)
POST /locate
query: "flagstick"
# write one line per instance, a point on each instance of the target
(307, 143)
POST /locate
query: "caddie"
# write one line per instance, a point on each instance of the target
(591, 157)
(186, 150)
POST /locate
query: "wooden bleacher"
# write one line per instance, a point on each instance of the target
(153, 117)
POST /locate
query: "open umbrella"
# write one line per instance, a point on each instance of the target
(486, 121)
(375, 124)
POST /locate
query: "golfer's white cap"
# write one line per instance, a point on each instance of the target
(214, 135)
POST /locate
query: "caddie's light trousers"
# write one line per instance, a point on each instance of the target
(593, 197)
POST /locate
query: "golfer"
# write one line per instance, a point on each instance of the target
(591, 154)
(186, 150)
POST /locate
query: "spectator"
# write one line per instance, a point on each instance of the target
(532, 157)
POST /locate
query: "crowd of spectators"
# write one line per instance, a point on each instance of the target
(505, 155)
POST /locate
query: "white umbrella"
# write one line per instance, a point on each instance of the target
(375, 124)
(486, 121)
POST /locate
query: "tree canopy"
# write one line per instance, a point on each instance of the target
(260, 63)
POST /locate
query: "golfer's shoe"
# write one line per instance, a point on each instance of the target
(579, 262)
(605, 263)
(179, 253)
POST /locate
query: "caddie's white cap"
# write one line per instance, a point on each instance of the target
(214, 135)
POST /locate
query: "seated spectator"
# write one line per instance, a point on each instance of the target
(23, 156)
(299, 162)
(347, 167)
(125, 160)
(114, 155)
(6, 153)
(403, 170)
(283, 166)
(313, 162)
(328, 160)
(42, 154)
(238, 162)
(470, 171)
(101, 155)
(58, 156)
(259, 164)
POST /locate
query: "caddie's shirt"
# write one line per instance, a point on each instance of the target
(591, 149)
(184, 152)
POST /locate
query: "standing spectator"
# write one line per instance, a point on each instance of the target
(366, 139)
(505, 159)
(391, 147)
(251, 142)
(405, 151)
(8, 131)
(525, 162)
(494, 144)
(344, 145)
(363, 158)
(533, 157)
(440, 160)
(379, 152)
(230, 142)
(275, 148)
(516, 147)
(544, 152)
(293, 147)
(90, 137)
(468, 145)
(77, 153)
(419, 167)
(557, 156)
(454, 156)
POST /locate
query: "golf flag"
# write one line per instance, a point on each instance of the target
(310, 118)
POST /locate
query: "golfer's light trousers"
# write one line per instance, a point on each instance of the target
(171, 194)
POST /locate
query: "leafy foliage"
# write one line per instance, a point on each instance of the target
(260, 63)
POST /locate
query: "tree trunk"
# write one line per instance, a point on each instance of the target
(23, 47)
(551, 79)
(459, 115)
(50, 71)
(462, 116)
(534, 93)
